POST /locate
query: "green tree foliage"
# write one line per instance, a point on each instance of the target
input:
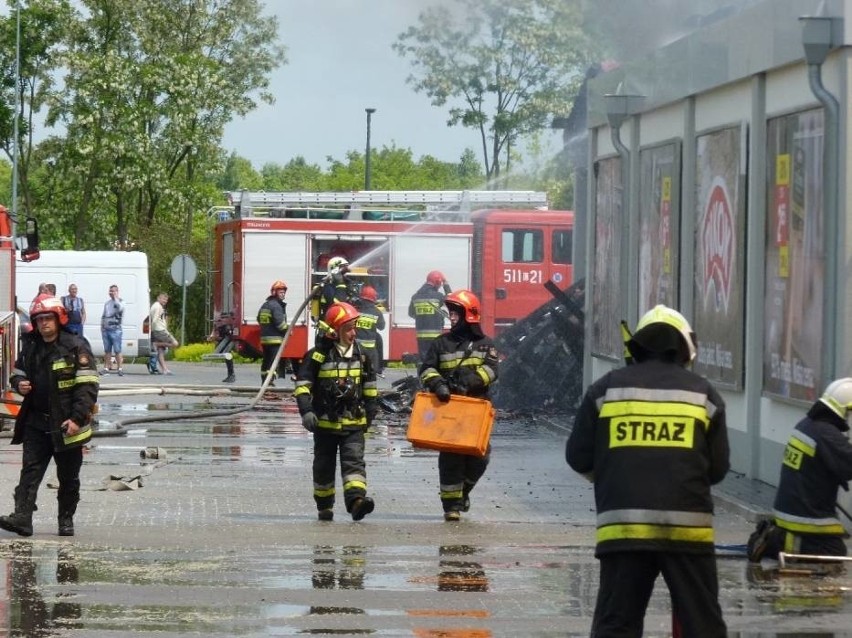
(43, 34)
(506, 67)
(149, 88)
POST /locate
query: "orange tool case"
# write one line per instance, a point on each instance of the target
(462, 425)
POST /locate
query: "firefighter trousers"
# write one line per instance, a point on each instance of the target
(627, 581)
(353, 471)
(269, 352)
(458, 474)
(38, 450)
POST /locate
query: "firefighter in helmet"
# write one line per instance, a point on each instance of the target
(370, 321)
(272, 318)
(652, 437)
(817, 461)
(336, 286)
(427, 310)
(462, 361)
(56, 374)
(337, 397)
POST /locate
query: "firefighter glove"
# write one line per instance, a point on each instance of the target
(442, 391)
(310, 421)
(447, 289)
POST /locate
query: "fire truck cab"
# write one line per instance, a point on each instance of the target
(391, 240)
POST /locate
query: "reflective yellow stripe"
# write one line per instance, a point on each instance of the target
(348, 485)
(88, 377)
(834, 529)
(83, 435)
(68, 383)
(612, 409)
(636, 531)
(801, 445)
(323, 492)
(61, 365)
(338, 373)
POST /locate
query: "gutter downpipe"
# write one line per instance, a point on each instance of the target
(818, 40)
(620, 106)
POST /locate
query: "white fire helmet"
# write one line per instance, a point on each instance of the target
(337, 265)
(838, 397)
(648, 336)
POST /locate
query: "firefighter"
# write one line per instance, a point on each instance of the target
(652, 437)
(370, 321)
(272, 318)
(817, 461)
(337, 397)
(462, 361)
(426, 308)
(57, 375)
(336, 286)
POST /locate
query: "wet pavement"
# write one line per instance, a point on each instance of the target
(220, 537)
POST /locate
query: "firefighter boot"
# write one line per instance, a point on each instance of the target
(361, 506)
(66, 523)
(18, 522)
(21, 520)
(67, 500)
(231, 378)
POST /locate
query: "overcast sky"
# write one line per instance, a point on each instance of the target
(339, 63)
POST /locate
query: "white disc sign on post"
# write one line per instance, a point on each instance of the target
(183, 271)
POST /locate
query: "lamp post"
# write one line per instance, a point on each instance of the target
(15, 155)
(367, 154)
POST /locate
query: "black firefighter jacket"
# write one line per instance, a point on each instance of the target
(73, 385)
(340, 390)
(817, 461)
(272, 318)
(465, 360)
(653, 438)
(426, 308)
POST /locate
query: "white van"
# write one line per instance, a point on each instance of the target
(94, 271)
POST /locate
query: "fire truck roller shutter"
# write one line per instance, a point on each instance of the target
(286, 255)
(412, 257)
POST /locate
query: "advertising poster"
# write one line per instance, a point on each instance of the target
(606, 295)
(659, 217)
(795, 257)
(719, 256)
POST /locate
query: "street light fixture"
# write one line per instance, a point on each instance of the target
(370, 112)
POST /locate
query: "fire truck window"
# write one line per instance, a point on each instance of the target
(522, 245)
(562, 246)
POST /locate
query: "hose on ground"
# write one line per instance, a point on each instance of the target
(231, 411)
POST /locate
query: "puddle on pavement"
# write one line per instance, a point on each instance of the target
(52, 587)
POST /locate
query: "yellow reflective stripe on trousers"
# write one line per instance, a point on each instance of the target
(355, 484)
(832, 527)
(637, 531)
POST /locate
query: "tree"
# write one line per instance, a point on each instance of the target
(507, 66)
(149, 88)
(43, 31)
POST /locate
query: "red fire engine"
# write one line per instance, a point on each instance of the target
(391, 239)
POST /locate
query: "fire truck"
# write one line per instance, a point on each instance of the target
(503, 245)
(9, 311)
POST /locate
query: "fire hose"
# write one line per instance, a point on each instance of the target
(270, 375)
